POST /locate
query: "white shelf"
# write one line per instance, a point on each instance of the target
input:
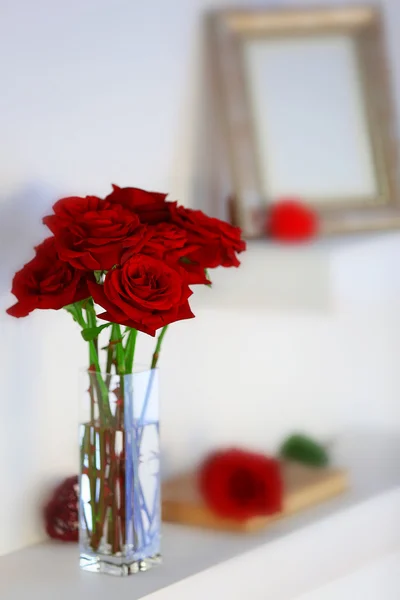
(376, 581)
(272, 276)
(314, 277)
(354, 527)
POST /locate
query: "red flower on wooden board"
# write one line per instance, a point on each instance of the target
(290, 220)
(238, 484)
(61, 512)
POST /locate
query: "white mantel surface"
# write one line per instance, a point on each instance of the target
(291, 558)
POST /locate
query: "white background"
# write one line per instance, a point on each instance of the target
(100, 91)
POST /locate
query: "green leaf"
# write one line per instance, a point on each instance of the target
(72, 311)
(76, 312)
(93, 332)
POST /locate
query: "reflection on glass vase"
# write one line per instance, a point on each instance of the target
(119, 507)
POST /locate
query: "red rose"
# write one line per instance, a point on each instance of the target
(150, 207)
(217, 242)
(163, 240)
(91, 234)
(168, 242)
(292, 221)
(239, 485)
(47, 282)
(61, 513)
(144, 293)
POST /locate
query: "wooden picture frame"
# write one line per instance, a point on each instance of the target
(231, 31)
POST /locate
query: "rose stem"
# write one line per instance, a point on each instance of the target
(91, 458)
(92, 479)
(121, 369)
(116, 337)
(104, 404)
(154, 362)
(121, 486)
(111, 454)
(92, 398)
(110, 358)
(158, 347)
(122, 510)
(76, 311)
(85, 451)
(137, 492)
(140, 429)
(130, 350)
(98, 508)
(129, 358)
(114, 467)
(117, 526)
(108, 484)
(102, 476)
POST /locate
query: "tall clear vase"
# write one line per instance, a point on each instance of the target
(119, 507)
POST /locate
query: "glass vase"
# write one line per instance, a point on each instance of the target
(119, 507)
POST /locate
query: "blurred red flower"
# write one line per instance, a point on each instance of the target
(237, 484)
(61, 512)
(290, 220)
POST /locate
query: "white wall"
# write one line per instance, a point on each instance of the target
(100, 91)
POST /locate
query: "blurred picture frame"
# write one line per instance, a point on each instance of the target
(307, 108)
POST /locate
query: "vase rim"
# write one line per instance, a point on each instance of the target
(137, 369)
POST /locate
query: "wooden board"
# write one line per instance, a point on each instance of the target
(304, 487)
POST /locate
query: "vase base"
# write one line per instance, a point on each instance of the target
(100, 564)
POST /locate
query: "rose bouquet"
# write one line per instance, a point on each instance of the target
(121, 265)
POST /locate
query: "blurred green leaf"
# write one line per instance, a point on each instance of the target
(302, 448)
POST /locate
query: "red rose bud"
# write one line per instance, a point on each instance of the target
(61, 512)
(290, 220)
(237, 484)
